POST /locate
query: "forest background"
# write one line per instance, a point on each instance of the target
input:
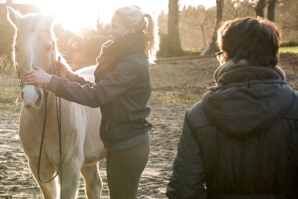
(196, 26)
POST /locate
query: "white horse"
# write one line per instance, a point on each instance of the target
(82, 147)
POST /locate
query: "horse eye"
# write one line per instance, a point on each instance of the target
(49, 47)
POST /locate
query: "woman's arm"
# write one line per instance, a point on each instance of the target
(39, 77)
(66, 72)
(72, 77)
(116, 83)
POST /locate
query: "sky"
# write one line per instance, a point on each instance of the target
(76, 15)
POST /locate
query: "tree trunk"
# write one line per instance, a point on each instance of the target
(213, 47)
(202, 21)
(174, 48)
(260, 8)
(219, 7)
(271, 10)
(203, 33)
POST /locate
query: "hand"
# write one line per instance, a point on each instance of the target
(37, 76)
(63, 69)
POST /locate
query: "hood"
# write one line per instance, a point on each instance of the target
(247, 108)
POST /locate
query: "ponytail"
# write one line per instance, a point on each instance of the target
(151, 33)
(142, 23)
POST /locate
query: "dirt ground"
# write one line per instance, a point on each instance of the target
(16, 180)
(176, 86)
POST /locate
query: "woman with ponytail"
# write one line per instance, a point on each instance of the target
(121, 89)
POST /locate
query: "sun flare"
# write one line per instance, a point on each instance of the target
(77, 15)
(73, 15)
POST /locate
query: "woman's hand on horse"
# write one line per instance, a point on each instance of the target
(63, 69)
(37, 76)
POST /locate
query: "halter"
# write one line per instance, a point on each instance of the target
(50, 71)
(19, 77)
(58, 111)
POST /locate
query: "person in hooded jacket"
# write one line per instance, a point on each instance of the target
(121, 89)
(240, 141)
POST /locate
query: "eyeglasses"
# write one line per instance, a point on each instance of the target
(218, 55)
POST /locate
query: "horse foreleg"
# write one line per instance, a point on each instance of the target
(70, 176)
(93, 181)
(49, 190)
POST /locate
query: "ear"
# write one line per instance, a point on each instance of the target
(13, 16)
(51, 20)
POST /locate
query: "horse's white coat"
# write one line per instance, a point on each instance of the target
(30, 96)
(81, 144)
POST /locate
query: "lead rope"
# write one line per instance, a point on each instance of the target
(58, 114)
(60, 139)
(43, 131)
(42, 139)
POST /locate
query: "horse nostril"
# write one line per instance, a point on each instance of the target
(27, 106)
(37, 103)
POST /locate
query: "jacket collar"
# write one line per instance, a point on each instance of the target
(231, 65)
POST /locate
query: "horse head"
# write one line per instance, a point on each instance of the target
(34, 42)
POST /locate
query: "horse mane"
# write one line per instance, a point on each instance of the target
(34, 22)
(39, 24)
(42, 25)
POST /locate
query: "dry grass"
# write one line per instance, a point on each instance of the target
(186, 81)
(289, 63)
(9, 90)
(181, 81)
(292, 50)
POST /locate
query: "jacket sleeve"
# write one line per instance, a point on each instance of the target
(188, 178)
(72, 77)
(117, 82)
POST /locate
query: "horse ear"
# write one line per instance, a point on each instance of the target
(51, 20)
(12, 15)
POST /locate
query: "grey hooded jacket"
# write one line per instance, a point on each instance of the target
(240, 141)
(122, 96)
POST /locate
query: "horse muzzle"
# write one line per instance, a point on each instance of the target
(32, 97)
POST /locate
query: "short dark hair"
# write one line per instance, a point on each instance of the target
(255, 39)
